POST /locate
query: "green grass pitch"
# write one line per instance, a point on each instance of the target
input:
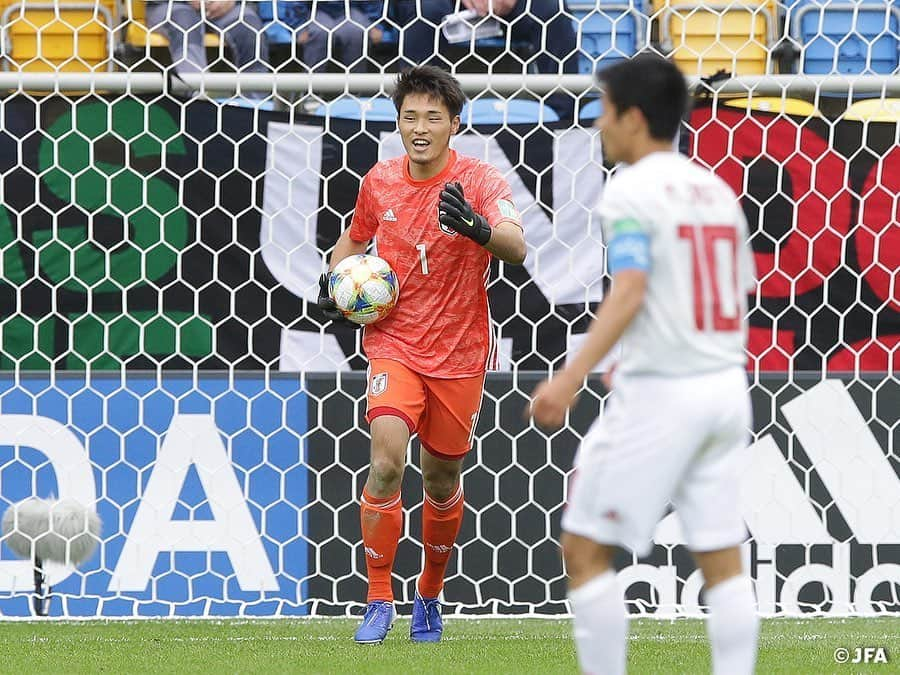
(489, 646)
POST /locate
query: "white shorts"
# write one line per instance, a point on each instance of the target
(664, 440)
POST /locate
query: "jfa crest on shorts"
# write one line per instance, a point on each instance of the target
(442, 411)
(379, 383)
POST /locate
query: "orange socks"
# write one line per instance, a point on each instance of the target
(440, 525)
(382, 522)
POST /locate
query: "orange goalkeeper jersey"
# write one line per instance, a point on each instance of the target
(441, 326)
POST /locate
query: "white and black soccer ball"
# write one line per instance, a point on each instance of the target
(364, 288)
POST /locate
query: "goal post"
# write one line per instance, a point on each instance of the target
(162, 358)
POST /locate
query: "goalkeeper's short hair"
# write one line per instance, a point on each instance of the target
(433, 82)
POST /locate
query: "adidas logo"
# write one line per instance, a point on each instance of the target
(439, 548)
(372, 553)
(389, 216)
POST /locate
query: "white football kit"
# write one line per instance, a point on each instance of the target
(676, 425)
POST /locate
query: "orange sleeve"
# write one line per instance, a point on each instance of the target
(495, 199)
(363, 226)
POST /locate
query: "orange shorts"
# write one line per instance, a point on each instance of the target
(443, 412)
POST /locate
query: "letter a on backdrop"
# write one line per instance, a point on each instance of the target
(193, 439)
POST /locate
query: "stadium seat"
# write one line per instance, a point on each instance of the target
(591, 110)
(58, 36)
(278, 32)
(376, 109)
(506, 111)
(479, 111)
(138, 35)
(703, 38)
(874, 110)
(608, 31)
(846, 37)
(776, 105)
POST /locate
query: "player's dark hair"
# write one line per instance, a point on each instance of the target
(651, 84)
(434, 83)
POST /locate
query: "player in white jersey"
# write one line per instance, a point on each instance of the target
(675, 429)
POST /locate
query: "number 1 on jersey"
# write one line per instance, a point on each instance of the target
(422, 258)
(707, 267)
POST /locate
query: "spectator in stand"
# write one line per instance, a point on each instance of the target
(185, 25)
(345, 24)
(537, 22)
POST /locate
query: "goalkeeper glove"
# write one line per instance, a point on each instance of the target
(329, 307)
(457, 214)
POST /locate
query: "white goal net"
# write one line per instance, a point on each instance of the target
(162, 358)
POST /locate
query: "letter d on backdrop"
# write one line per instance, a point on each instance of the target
(73, 479)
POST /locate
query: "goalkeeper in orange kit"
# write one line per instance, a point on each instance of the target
(438, 218)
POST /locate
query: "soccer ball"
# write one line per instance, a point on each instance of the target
(364, 288)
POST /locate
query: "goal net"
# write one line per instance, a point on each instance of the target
(162, 358)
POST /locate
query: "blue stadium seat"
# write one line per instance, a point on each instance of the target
(266, 10)
(480, 111)
(610, 31)
(846, 37)
(506, 111)
(376, 109)
(277, 32)
(591, 110)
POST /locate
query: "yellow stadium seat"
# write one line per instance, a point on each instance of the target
(703, 38)
(58, 36)
(773, 6)
(874, 110)
(137, 34)
(776, 105)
